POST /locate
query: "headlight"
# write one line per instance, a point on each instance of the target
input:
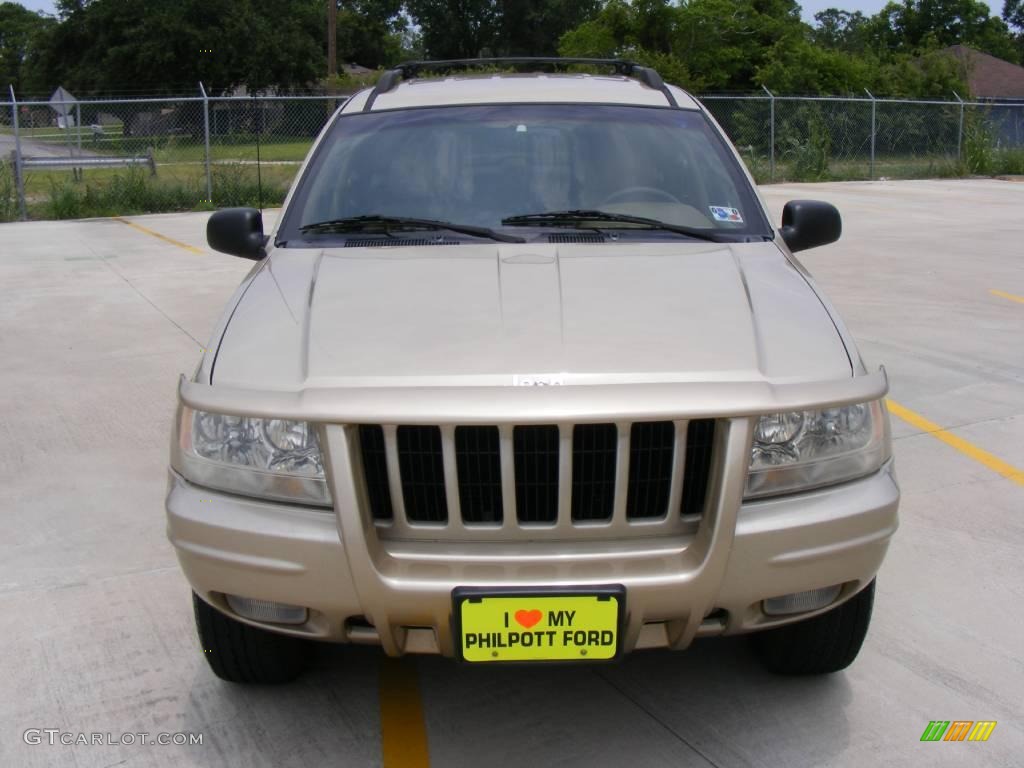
(808, 449)
(269, 458)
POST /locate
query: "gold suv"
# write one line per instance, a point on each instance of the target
(524, 373)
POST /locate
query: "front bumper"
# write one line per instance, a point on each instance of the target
(361, 588)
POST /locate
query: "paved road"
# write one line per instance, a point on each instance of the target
(31, 148)
(97, 319)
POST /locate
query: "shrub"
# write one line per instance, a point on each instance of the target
(237, 184)
(131, 192)
(1010, 161)
(8, 193)
(979, 150)
(808, 153)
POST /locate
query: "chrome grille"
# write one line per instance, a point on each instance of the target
(530, 481)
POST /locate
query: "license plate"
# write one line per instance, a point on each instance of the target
(537, 625)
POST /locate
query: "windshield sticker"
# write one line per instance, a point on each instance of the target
(721, 213)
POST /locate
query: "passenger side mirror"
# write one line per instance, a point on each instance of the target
(238, 231)
(810, 223)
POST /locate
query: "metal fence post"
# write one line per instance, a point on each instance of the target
(771, 154)
(871, 173)
(19, 180)
(206, 140)
(960, 130)
(67, 136)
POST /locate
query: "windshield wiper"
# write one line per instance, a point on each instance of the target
(569, 218)
(392, 223)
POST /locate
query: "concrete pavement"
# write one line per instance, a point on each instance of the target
(97, 319)
(34, 148)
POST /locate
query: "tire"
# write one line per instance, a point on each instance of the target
(240, 653)
(819, 646)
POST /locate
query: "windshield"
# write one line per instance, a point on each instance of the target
(485, 165)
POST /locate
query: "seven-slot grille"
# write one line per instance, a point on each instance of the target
(486, 476)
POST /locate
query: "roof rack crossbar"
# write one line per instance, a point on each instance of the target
(393, 76)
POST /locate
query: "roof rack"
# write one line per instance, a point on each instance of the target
(392, 77)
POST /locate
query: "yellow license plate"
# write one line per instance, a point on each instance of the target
(539, 626)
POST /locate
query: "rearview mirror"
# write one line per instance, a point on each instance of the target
(810, 223)
(238, 231)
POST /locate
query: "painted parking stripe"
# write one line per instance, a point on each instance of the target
(968, 449)
(1005, 295)
(151, 233)
(403, 733)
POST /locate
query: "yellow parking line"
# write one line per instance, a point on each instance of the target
(403, 733)
(968, 449)
(171, 240)
(1004, 295)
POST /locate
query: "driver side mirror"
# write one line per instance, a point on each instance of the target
(810, 223)
(237, 231)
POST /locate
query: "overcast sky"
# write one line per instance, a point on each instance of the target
(37, 5)
(867, 7)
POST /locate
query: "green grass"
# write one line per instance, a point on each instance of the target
(40, 182)
(859, 170)
(8, 193)
(122, 192)
(270, 151)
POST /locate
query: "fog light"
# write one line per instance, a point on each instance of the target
(267, 610)
(801, 602)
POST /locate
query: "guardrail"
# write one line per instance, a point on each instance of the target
(87, 162)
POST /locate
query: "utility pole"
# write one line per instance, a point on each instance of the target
(332, 38)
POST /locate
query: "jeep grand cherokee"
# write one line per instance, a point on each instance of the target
(524, 373)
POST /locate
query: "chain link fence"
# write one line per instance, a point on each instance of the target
(119, 156)
(111, 157)
(795, 138)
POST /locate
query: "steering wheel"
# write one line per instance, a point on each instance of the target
(648, 192)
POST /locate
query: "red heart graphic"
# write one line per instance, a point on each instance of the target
(528, 618)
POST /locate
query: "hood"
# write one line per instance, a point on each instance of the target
(500, 314)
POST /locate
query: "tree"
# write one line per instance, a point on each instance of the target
(719, 44)
(918, 25)
(332, 38)
(19, 31)
(725, 43)
(104, 46)
(802, 67)
(371, 32)
(457, 29)
(604, 36)
(534, 27)
(840, 30)
(1013, 14)
(468, 28)
(114, 45)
